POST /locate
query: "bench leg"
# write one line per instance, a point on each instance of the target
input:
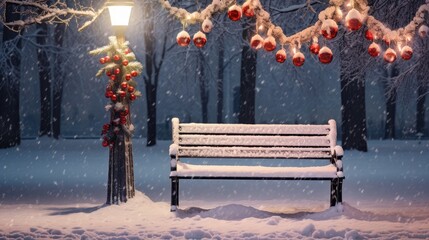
(334, 192)
(340, 191)
(174, 194)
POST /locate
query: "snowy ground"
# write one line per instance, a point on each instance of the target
(56, 189)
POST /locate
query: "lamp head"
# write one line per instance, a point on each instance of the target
(120, 11)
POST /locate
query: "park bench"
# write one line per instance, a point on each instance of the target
(249, 141)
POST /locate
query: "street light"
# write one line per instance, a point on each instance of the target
(120, 12)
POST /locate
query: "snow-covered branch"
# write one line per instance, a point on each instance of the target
(39, 12)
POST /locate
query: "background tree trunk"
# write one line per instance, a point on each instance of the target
(219, 81)
(45, 81)
(247, 78)
(391, 72)
(10, 131)
(204, 93)
(58, 83)
(354, 131)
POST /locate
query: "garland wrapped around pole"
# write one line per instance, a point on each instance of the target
(120, 66)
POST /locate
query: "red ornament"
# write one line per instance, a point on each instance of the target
(390, 55)
(247, 9)
(354, 20)
(407, 53)
(105, 143)
(329, 29)
(130, 89)
(134, 73)
(124, 85)
(125, 112)
(114, 97)
(298, 59)
(117, 71)
(127, 51)
(315, 48)
(423, 31)
(386, 40)
(281, 56)
(270, 44)
(132, 97)
(128, 77)
(102, 60)
(109, 94)
(109, 73)
(207, 25)
(183, 38)
(256, 41)
(107, 59)
(122, 93)
(123, 120)
(374, 50)
(200, 39)
(369, 35)
(116, 58)
(113, 77)
(106, 126)
(325, 55)
(125, 62)
(234, 13)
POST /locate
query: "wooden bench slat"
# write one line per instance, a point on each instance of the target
(236, 140)
(258, 129)
(214, 171)
(254, 152)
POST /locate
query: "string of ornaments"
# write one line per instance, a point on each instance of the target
(268, 36)
(120, 66)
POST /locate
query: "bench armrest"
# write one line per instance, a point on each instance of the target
(174, 148)
(337, 152)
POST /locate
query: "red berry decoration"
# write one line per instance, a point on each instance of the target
(298, 59)
(407, 53)
(109, 73)
(369, 35)
(109, 94)
(102, 60)
(113, 77)
(325, 55)
(270, 44)
(113, 97)
(116, 58)
(315, 48)
(105, 143)
(106, 126)
(107, 59)
(281, 56)
(124, 85)
(247, 9)
(125, 62)
(128, 77)
(122, 93)
(354, 20)
(130, 89)
(374, 50)
(234, 13)
(127, 51)
(134, 73)
(117, 71)
(200, 39)
(390, 55)
(183, 38)
(132, 97)
(256, 42)
(123, 120)
(329, 29)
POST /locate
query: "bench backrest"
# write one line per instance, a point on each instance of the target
(253, 140)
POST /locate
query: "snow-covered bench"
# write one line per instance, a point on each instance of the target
(270, 141)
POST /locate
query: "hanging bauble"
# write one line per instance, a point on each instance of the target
(329, 29)
(109, 73)
(113, 77)
(270, 43)
(183, 38)
(281, 56)
(124, 85)
(315, 48)
(127, 51)
(130, 89)
(234, 12)
(114, 97)
(207, 25)
(128, 77)
(132, 97)
(106, 126)
(117, 71)
(116, 58)
(123, 120)
(102, 60)
(107, 59)
(354, 20)
(105, 143)
(298, 59)
(256, 41)
(407, 53)
(125, 62)
(122, 93)
(109, 94)
(200, 39)
(390, 55)
(423, 30)
(374, 50)
(134, 73)
(369, 35)
(247, 9)
(325, 55)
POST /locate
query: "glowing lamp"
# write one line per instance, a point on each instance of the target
(120, 11)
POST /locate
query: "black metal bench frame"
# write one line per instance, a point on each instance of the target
(296, 141)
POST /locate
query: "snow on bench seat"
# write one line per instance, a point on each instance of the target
(214, 171)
